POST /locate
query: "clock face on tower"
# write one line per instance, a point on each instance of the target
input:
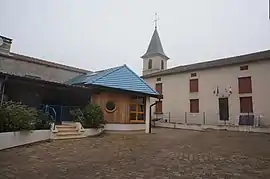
(1, 41)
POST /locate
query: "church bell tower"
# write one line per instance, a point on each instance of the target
(154, 59)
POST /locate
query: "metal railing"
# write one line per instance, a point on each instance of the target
(59, 113)
(204, 118)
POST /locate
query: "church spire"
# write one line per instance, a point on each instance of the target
(155, 46)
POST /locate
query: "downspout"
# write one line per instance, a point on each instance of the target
(150, 117)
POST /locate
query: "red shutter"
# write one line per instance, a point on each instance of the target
(244, 85)
(194, 105)
(246, 105)
(159, 107)
(159, 88)
(193, 85)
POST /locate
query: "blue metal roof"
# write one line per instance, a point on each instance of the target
(120, 77)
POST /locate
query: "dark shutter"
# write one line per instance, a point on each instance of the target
(194, 105)
(159, 88)
(159, 107)
(246, 105)
(193, 85)
(244, 85)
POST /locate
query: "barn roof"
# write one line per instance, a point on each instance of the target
(120, 77)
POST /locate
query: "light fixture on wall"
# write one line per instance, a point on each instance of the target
(216, 91)
(227, 92)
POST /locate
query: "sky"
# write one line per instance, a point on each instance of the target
(95, 35)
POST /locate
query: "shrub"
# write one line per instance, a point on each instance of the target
(15, 116)
(91, 116)
(43, 121)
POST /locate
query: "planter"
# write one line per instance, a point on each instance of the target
(13, 139)
(88, 132)
(124, 127)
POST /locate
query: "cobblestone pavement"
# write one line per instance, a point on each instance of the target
(168, 153)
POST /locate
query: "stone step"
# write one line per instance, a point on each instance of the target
(67, 133)
(65, 126)
(67, 129)
(68, 137)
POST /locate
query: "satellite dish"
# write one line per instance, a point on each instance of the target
(1, 41)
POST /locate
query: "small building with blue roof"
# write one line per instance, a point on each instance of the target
(123, 96)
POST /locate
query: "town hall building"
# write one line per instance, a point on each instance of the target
(232, 91)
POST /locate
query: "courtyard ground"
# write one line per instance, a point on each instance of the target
(168, 153)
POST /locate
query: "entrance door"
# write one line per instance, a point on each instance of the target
(223, 109)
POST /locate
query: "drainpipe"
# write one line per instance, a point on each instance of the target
(150, 111)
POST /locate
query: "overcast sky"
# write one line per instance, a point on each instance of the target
(94, 34)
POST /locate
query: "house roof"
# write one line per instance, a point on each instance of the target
(120, 77)
(155, 47)
(41, 62)
(247, 58)
(38, 81)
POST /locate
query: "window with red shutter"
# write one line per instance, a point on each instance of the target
(246, 105)
(159, 107)
(159, 88)
(193, 85)
(194, 106)
(244, 85)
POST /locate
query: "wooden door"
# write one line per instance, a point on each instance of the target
(223, 109)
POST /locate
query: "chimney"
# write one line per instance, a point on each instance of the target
(5, 44)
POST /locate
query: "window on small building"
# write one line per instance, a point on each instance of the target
(244, 85)
(194, 105)
(193, 85)
(193, 74)
(245, 67)
(159, 88)
(158, 79)
(158, 107)
(150, 64)
(136, 110)
(110, 106)
(162, 64)
(246, 105)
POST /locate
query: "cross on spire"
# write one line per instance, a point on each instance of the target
(156, 19)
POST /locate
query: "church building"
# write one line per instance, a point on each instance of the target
(231, 91)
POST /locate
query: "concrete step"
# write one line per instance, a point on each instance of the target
(64, 126)
(67, 133)
(67, 129)
(68, 137)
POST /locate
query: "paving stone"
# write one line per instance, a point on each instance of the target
(168, 153)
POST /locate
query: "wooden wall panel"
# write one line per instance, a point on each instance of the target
(122, 101)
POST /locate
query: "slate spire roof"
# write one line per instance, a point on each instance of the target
(121, 77)
(155, 46)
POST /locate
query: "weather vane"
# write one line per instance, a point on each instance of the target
(156, 19)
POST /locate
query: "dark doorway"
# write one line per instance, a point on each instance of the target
(223, 109)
